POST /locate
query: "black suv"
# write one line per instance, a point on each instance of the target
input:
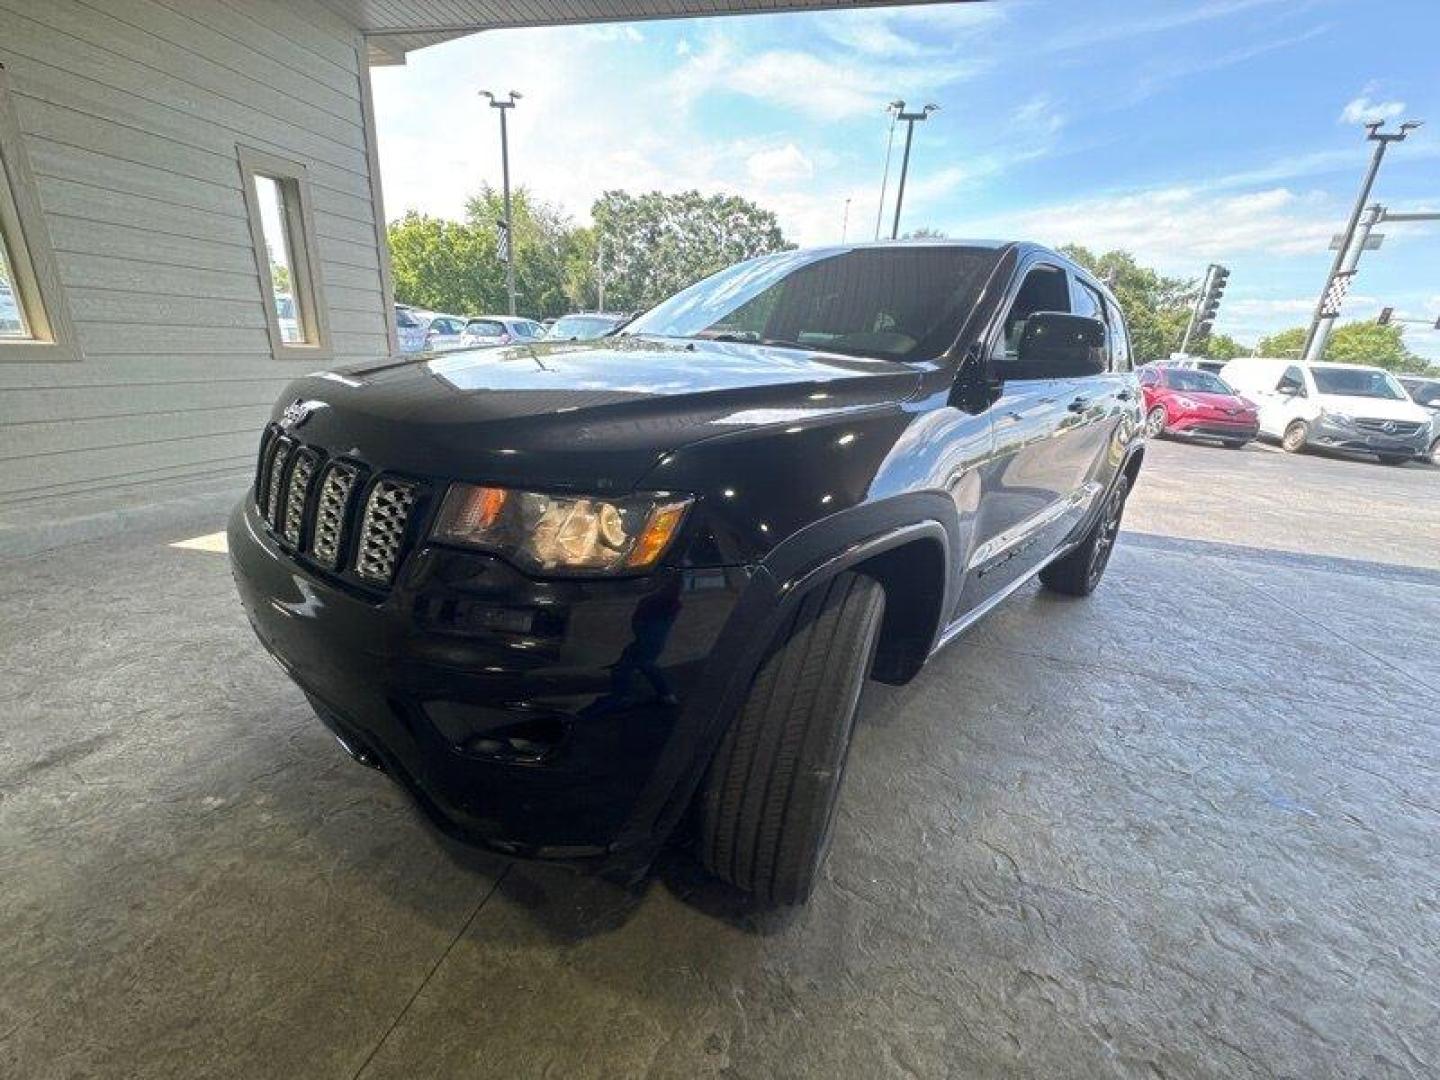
(573, 594)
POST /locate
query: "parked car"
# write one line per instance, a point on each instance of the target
(1425, 392)
(409, 330)
(565, 601)
(1333, 406)
(585, 326)
(442, 332)
(1192, 403)
(289, 322)
(500, 330)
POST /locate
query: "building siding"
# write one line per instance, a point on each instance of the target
(130, 112)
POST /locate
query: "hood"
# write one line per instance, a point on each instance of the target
(1373, 408)
(590, 416)
(1219, 401)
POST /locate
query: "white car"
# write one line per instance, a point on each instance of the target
(409, 330)
(500, 330)
(1425, 392)
(1332, 406)
(442, 331)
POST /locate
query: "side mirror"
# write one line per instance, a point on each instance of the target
(1055, 345)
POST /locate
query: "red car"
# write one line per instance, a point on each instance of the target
(1196, 404)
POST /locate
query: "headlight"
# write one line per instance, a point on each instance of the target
(554, 533)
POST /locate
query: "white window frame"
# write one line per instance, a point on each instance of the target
(293, 181)
(35, 279)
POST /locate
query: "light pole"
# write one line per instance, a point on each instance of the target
(910, 120)
(895, 108)
(1337, 282)
(845, 221)
(508, 235)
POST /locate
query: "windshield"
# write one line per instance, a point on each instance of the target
(581, 327)
(1358, 382)
(896, 303)
(1196, 381)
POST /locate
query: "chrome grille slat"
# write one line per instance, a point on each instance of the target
(274, 503)
(262, 465)
(328, 531)
(297, 492)
(382, 529)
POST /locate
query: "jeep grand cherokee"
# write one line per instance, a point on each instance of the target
(572, 595)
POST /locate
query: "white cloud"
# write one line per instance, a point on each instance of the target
(784, 164)
(1174, 228)
(907, 32)
(1364, 109)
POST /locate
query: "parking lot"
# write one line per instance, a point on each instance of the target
(1190, 827)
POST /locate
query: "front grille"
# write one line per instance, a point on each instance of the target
(298, 491)
(328, 530)
(312, 504)
(274, 490)
(387, 511)
(1400, 429)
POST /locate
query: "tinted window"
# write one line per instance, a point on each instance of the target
(1045, 288)
(484, 329)
(405, 319)
(1119, 339)
(892, 303)
(1425, 393)
(1291, 380)
(1196, 381)
(1357, 382)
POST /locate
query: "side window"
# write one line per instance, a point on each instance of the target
(1045, 288)
(1149, 377)
(277, 200)
(1292, 382)
(34, 325)
(1090, 304)
(1120, 359)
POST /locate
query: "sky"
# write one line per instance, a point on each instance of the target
(1184, 132)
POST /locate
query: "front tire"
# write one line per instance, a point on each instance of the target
(768, 802)
(1296, 436)
(1155, 422)
(1079, 572)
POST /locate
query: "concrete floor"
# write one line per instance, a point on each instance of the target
(1190, 827)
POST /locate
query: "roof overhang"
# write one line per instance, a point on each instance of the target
(393, 28)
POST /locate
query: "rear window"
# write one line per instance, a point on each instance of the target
(405, 319)
(485, 329)
(891, 303)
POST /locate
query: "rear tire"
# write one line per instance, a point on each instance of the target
(1297, 435)
(1078, 573)
(768, 802)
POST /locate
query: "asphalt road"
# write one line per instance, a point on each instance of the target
(1189, 827)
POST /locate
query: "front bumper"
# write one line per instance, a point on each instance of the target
(547, 719)
(1333, 435)
(1213, 427)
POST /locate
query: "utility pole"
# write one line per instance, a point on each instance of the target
(509, 236)
(910, 120)
(1337, 283)
(895, 108)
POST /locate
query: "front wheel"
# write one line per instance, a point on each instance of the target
(1155, 422)
(1295, 438)
(768, 802)
(1077, 573)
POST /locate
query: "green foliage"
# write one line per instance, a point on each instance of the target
(657, 244)
(1156, 307)
(1351, 343)
(1222, 347)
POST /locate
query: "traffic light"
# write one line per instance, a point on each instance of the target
(1386, 313)
(1215, 282)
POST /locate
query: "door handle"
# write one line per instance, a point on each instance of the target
(1080, 404)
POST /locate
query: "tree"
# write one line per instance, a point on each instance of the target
(541, 239)
(657, 244)
(1351, 343)
(1156, 307)
(1222, 347)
